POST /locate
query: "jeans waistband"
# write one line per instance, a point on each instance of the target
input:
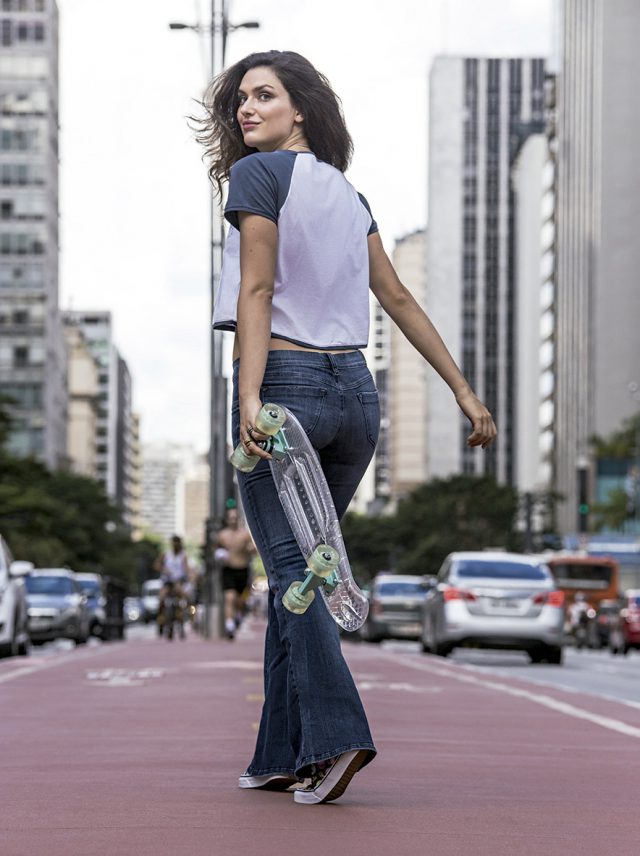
(311, 359)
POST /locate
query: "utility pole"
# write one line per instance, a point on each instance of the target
(218, 30)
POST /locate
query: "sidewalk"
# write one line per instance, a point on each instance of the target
(136, 748)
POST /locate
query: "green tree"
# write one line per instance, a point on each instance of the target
(60, 518)
(459, 513)
(621, 443)
(622, 446)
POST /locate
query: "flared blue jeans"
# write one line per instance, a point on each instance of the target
(312, 710)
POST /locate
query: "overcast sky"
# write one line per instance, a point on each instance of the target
(134, 195)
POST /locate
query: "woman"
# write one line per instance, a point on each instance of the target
(301, 254)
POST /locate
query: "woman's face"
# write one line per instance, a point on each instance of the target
(267, 118)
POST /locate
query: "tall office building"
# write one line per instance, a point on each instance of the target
(127, 466)
(481, 112)
(136, 478)
(408, 377)
(97, 331)
(32, 351)
(374, 491)
(598, 221)
(378, 358)
(116, 464)
(83, 391)
(195, 486)
(174, 490)
(533, 178)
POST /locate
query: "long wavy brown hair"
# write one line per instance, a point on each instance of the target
(310, 93)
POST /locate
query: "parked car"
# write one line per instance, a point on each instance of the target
(14, 636)
(630, 615)
(395, 607)
(133, 609)
(607, 616)
(92, 587)
(495, 600)
(57, 607)
(150, 599)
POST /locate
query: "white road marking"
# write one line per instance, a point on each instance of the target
(537, 698)
(228, 664)
(496, 670)
(48, 664)
(122, 677)
(396, 687)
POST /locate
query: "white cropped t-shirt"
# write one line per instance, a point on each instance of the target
(321, 289)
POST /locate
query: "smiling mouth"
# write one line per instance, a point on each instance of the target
(246, 126)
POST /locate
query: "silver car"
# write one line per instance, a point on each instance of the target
(56, 606)
(395, 607)
(495, 600)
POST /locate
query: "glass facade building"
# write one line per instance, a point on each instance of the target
(481, 112)
(32, 351)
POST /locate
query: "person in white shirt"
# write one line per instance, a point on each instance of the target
(174, 570)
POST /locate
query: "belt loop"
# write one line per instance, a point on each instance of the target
(333, 363)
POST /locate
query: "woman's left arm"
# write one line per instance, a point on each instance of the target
(258, 254)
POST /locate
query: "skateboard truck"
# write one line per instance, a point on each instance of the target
(321, 571)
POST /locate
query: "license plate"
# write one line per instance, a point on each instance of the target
(406, 629)
(505, 603)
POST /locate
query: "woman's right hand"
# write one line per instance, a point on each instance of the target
(484, 429)
(250, 437)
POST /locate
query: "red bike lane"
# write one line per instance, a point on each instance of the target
(135, 748)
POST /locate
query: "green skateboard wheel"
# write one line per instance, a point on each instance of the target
(270, 419)
(296, 602)
(323, 560)
(242, 461)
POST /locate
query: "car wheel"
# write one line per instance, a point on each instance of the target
(10, 649)
(553, 655)
(536, 656)
(441, 649)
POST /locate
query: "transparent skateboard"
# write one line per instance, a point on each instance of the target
(307, 503)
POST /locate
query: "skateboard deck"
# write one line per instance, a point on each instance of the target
(308, 505)
(305, 497)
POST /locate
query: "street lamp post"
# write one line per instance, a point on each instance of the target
(218, 28)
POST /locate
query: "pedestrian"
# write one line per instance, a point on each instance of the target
(301, 253)
(234, 548)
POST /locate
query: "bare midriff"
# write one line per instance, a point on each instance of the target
(284, 345)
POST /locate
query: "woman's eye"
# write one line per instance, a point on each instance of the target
(264, 96)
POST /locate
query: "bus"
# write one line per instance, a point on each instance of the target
(597, 577)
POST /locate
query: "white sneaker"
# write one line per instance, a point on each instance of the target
(269, 782)
(332, 781)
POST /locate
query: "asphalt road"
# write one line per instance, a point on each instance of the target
(592, 673)
(135, 748)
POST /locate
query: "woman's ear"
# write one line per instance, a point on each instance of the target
(299, 118)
